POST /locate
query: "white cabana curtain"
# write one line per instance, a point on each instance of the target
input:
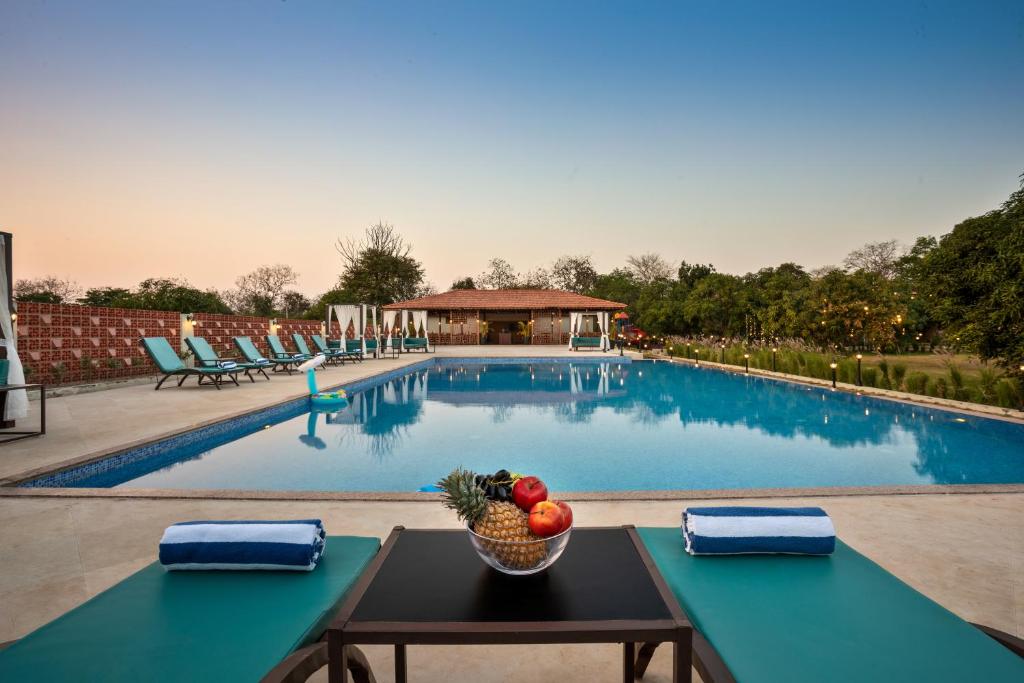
(345, 314)
(16, 407)
(419, 321)
(574, 323)
(602, 321)
(404, 328)
(389, 328)
(373, 328)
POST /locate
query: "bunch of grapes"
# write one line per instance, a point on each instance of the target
(497, 486)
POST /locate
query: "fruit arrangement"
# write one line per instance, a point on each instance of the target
(511, 514)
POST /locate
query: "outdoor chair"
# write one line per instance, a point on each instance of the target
(355, 346)
(209, 358)
(334, 355)
(280, 355)
(794, 618)
(248, 349)
(303, 348)
(166, 626)
(168, 362)
(417, 343)
(578, 343)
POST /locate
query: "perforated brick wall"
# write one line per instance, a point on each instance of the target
(65, 343)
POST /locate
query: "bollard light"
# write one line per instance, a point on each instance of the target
(723, 354)
(746, 363)
(696, 356)
(860, 383)
(774, 351)
(833, 366)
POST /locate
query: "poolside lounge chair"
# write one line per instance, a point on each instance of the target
(336, 355)
(356, 346)
(199, 626)
(167, 361)
(769, 618)
(303, 348)
(280, 355)
(209, 358)
(248, 349)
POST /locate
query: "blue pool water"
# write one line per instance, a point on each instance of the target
(585, 427)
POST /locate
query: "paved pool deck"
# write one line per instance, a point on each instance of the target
(966, 551)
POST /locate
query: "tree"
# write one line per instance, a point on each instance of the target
(974, 282)
(499, 275)
(47, 290)
(619, 285)
(261, 291)
(881, 258)
(538, 278)
(379, 269)
(110, 297)
(573, 274)
(464, 283)
(649, 267)
(294, 303)
(690, 275)
(171, 294)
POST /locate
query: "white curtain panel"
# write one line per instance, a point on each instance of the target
(389, 328)
(344, 314)
(603, 320)
(405, 327)
(574, 319)
(17, 401)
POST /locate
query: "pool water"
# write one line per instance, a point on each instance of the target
(596, 427)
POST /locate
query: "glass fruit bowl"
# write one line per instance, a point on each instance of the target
(519, 558)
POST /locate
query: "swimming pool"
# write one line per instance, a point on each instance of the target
(583, 426)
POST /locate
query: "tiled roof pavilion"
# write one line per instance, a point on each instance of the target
(507, 300)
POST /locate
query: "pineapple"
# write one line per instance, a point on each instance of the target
(493, 519)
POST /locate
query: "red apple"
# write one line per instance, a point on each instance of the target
(529, 491)
(545, 519)
(566, 513)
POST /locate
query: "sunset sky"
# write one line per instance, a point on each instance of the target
(201, 139)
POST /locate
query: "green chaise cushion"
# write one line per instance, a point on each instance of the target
(586, 341)
(191, 626)
(160, 350)
(795, 619)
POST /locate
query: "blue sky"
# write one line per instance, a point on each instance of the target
(742, 134)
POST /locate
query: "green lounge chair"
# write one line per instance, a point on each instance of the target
(278, 354)
(353, 346)
(300, 344)
(791, 618)
(414, 343)
(335, 355)
(167, 361)
(198, 625)
(205, 354)
(248, 349)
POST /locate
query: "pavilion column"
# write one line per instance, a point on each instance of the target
(532, 335)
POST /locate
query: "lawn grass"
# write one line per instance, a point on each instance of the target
(960, 377)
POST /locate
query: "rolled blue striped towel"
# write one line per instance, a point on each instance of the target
(758, 530)
(227, 364)
(294, 545)
(261, 361)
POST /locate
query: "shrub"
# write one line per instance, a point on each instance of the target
(870, 377)
(883, 370)
(57, 371)
(941, 387)
(987, 382)
(1008, 394)
(956, 382)
(917, 383)
(899, 371)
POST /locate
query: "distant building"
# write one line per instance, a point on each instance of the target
(506, 316)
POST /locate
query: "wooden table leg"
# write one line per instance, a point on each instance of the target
(682, 657)
(400, 664)
(337, 658)
(628, 662)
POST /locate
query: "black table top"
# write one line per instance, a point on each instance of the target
(436, 576)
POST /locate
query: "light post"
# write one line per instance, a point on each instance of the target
(859, 382)
(621, 344)
(696, 356)
(723, 354)
(774, 351)
(746, 363)
(833, 366)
